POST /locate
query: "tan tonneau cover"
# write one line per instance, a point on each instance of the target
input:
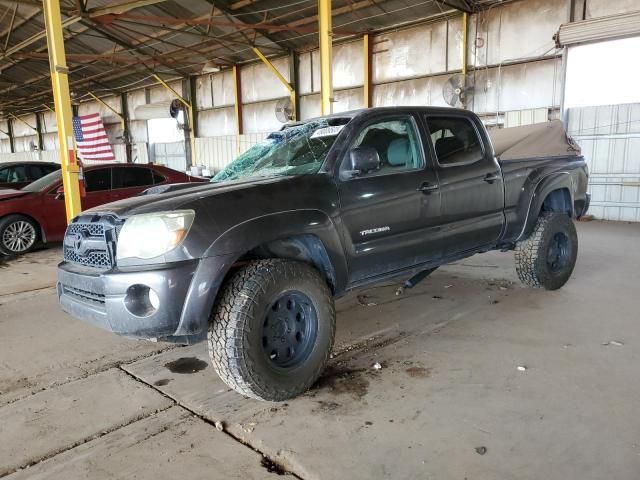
(533, 141)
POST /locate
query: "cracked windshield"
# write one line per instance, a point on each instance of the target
(298, 150)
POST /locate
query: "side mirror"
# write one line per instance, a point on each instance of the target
(60, 193)
(363, 160)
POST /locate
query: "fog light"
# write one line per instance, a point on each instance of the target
(154, 299)
(141, 300)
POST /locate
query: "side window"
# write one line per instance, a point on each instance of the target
(47, 169)
(157, 178)
(455, 140)
(37, 171)
(129, 177)
(17, 174)
(98, 180)
(4, 175)
(397, 144)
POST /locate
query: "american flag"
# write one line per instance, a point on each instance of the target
(91, 138)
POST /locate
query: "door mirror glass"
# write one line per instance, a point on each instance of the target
(363, 160)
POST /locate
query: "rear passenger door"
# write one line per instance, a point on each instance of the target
(471, 184)
(130, 181)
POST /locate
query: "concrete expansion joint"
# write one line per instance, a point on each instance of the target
(83, 441)
(267, 461)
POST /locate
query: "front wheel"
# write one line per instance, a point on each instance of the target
(547, 257)
(18, 235)
(272, 329)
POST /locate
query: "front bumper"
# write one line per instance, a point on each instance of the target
(186, 292)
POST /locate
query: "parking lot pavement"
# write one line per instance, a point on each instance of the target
(478, 378)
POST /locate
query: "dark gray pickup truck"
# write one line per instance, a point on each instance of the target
(253, 261)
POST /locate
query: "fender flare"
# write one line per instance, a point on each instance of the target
(230, 246)
(550, 183)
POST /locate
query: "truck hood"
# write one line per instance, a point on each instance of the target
(7, 193)
(176, 198)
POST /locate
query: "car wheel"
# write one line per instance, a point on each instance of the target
(546, 259)
(18, 235)
(272, 329)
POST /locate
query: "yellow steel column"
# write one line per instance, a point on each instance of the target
(62, 100)
(366, 53)
(237, 95)
(326, 88)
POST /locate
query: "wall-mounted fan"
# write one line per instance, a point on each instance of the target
(458, 90)
(284, 110)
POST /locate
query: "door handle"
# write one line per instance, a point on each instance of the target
(427, 188)
(491, 177)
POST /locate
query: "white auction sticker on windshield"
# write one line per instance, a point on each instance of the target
(327, 131)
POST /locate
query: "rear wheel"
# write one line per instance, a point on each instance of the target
(546, 259)
(18, 235)
(272, 329)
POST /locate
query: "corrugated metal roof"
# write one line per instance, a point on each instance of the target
(111, 49)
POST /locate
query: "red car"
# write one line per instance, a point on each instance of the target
(37, 212)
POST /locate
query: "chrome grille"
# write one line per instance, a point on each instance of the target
(91, 241)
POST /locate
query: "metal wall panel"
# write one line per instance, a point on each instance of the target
(204, 95)
(22, 130)
(519, 118)
(93, 106)
(223, 88)
(26, 143)
(305, 73)
(421, 50)
(161, 94)
(602, 8)
(420, 91)
(348, 65)
(5, 148)
(260, 117)
(518, 87)
(4, 129)
(310, 106)
(172, 155)
(260, 83)
(218, 121)
(49, 122)
(135, 99)
(610, 141)
(51, 141)
(215, 153)
(514, 31)
(138, 131)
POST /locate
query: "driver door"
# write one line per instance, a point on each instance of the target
(390, 215)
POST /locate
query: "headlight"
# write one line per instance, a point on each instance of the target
(153, 234)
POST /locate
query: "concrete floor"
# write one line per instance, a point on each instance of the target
(481, 379)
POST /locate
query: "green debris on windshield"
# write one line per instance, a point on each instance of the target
(297, 150)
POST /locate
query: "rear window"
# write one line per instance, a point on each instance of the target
(455, 140)
(157, 178)
(129, 177)
(98, 180)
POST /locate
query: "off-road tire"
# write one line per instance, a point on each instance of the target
(11, 221)
(531, 254)
(235, 331)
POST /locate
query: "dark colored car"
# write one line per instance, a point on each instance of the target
(20, 174)
(254, 261)
(37, 212)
